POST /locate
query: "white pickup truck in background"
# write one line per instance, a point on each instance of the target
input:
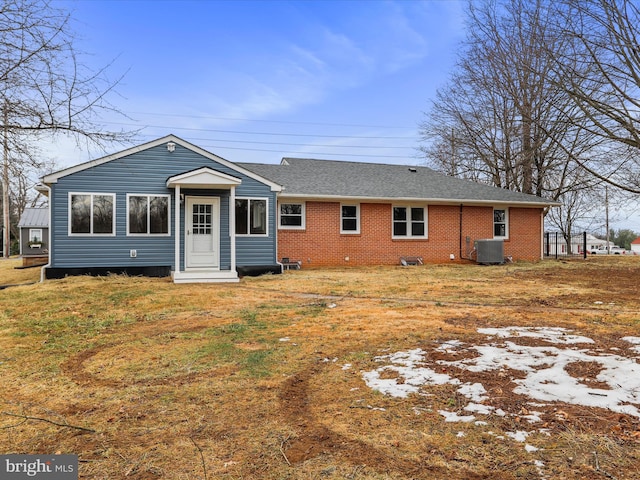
(613, 250)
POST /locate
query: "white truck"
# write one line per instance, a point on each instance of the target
(613, 250)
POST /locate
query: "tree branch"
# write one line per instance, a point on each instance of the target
(27, 417)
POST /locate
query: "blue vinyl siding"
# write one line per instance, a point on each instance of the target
(146, 172)
(259, 250)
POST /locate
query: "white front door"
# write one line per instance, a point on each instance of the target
(202, 235)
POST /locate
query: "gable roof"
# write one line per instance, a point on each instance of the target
(310, 178)
(203, 177)
(53, 177)
(636, 241)
(34, 217)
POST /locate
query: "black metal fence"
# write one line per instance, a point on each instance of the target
(557, 245)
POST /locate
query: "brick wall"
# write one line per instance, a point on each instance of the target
(322, 244)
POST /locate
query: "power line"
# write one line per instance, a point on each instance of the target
(301, 144)
(286, 122)
(218, 147)
(243, 132)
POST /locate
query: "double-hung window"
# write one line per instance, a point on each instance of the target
(292, 215)
(409, 222)
(147, 214)
(92, 213)
(251, 216)
(349, 218)
(500, 223)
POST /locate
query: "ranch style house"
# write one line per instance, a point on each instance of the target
(168, 207)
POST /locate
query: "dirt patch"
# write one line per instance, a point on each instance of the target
(314, 439)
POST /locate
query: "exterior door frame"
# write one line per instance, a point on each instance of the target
(190, 257)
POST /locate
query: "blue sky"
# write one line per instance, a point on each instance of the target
(255, 81)
(258, 80)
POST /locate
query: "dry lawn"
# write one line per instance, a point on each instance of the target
(145, 379)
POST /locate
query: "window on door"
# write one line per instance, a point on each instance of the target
(201, 219)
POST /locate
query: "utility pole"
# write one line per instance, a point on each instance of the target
(6, 228)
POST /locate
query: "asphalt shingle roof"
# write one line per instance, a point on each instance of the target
(338, 179)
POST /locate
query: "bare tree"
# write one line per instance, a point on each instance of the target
(606, 38)
(504, 118)
(45, 90)
(578, 205)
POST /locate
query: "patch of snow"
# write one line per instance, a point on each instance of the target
(479, 408)
(346, 366)
(406, 366)
(635, 341)
(549, 334)
(474, 392)
(284, 339)
(548, 380)
(530, 448)
(449, 346)
(460, 434)
(519, 436)
(454, 417)
(533, 417)
(545, 368)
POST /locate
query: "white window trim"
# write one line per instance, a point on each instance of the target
(293, 227)
(408, 236)
(148, 195)
(506, 221)
(357, 230)
(31, 234)
(249, 220)
(91, 234)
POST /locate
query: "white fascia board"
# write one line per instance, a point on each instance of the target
(53, 177)
(430, 201)
(203, 178)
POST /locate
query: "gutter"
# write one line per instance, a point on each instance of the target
(431, 201)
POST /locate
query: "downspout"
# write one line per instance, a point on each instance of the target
(542, 235)
(232, 228)
(50, 229)
(460, 235)
(277, 233)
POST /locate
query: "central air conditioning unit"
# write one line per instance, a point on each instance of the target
(489, 252)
